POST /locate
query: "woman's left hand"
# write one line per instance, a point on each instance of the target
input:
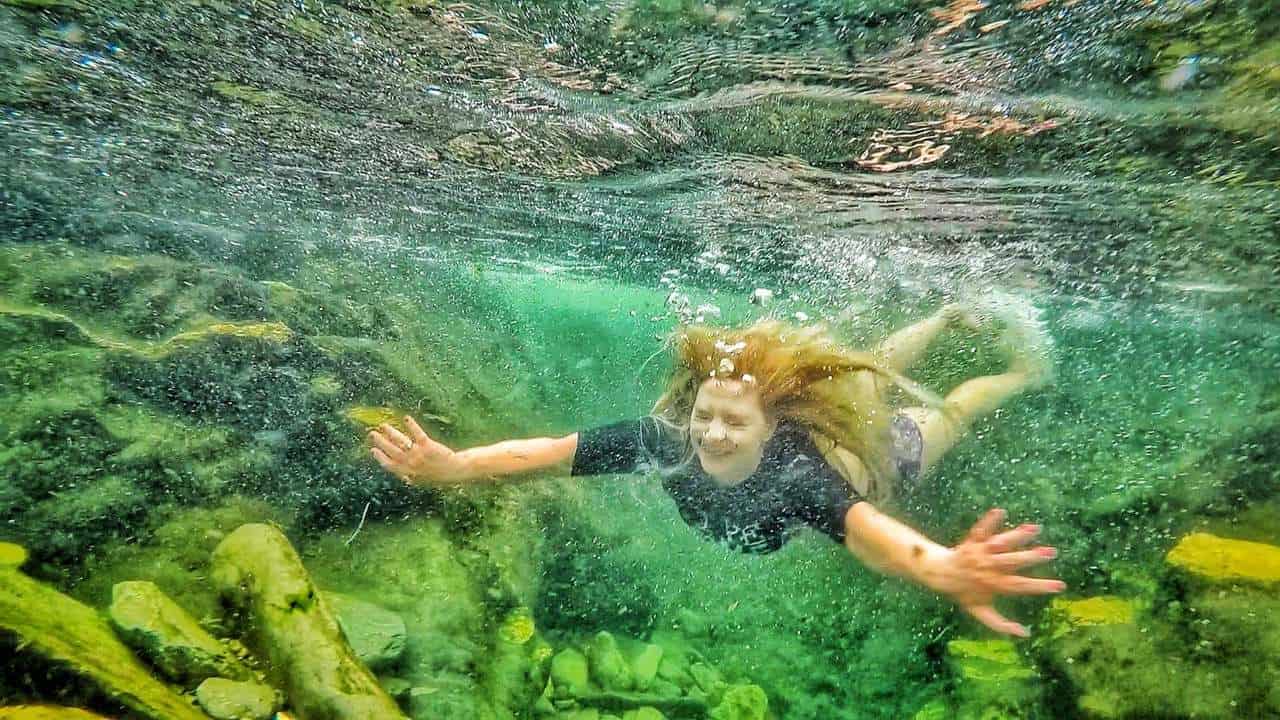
(984, 566)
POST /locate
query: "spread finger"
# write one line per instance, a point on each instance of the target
(390, 449)
(989, 616)
(400, 439)
(987, 525)
(1014, 538)
(1019, 585)
(1011, 561)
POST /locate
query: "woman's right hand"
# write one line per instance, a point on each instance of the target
(416, 458)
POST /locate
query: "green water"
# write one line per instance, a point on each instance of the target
(226, 228)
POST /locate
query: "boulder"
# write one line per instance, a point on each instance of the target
(291, 627)
(992, 678)
(742, 702)
(608, 667)
(59, 630)
(645, 666)
(1215, 559)
(232, 700)
(569, 672)
(12, 555)
(167, 637)
(376, 634)
(46, 712)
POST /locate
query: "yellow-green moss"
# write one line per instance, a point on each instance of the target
(1101, 610)
(370, 416)
(63, 631)
(994, 659)
(518, 627)
(246, 94)
(1215, 558)
(272, 331)
(46, 712)
(12, 555)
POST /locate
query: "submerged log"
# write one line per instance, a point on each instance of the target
(71, 635)
(291, 627)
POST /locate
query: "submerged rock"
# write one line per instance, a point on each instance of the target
(46, 712)
(170, 639)
(992, 679)
(294, 631)
(67, 633)
(569, 672)
(231, 700)
(1217, 559)
(375, 633)
(608, 667)
(742, 702)
(12, 555)
(645, 667)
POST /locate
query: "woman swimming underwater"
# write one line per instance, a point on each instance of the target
(771, 427)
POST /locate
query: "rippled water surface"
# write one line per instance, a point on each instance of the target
(234, 235)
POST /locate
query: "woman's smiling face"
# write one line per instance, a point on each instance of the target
(729, 428)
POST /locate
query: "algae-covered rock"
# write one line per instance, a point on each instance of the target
(608, 666)
(569, 672)
(12, 555)
(46, 712)
(232, 700)
(170, 639)
(1101, 610)
(742, 702)
(376, 634)
(645, 666)
(1215, 559)
(292, 628)
(1065, 615)
(62, 631)
(518, 627)
(991, 677)
(709, 680)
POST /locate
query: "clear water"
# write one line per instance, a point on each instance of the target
(489, 214)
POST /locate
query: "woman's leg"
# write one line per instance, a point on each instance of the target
(1031, 367)
(942, 428)
(903, 348)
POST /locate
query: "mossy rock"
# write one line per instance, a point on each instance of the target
(168, 637)
(67, 633)
(608, 666)
(742, 702)
(1221, 560)
(12, 555)
(991, 677)
(570, 673)
(1066, 615)
(47, 712)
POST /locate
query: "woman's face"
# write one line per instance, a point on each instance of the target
(728, 428)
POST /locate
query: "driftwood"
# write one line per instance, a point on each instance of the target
(290, 626)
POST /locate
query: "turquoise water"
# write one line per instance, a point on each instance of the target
(231, 235)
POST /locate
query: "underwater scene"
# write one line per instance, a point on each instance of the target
(639, 359)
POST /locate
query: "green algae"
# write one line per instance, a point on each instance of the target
(59, 630)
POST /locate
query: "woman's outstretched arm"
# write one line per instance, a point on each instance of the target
(419, 460)
(972, 574)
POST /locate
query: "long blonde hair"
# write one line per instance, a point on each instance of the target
(803, 375)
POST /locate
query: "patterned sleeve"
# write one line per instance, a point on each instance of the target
(830, 499)
(610, 449)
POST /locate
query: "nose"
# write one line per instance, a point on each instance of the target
(715, 431)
